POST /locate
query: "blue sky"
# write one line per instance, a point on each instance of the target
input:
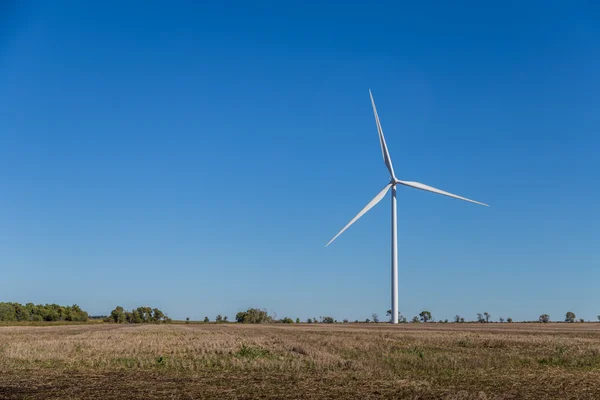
(197, 156)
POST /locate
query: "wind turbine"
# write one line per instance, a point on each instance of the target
(393, 183)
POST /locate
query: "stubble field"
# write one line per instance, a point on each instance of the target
(433, 361)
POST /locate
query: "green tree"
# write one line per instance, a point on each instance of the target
(375, 318)
(415, 320)
(457, 318)
(157, 315)
(297, 320)
(487, 316)
(206, 319)
(253, 316)
(118, 315)
(187, 320)
(388, 314)
(425, 316)
(7, 312)
(509, 320)
(545, 318)
(219, 318)
(286, 320)
(327, 320)
(570, 317)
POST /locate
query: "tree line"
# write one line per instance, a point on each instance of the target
(140, 315)
(41, 312)
(54, 312)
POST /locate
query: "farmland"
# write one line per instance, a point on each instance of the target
(366, 361)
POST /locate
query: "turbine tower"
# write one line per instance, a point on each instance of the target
(394, 182)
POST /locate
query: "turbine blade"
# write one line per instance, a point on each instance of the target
(384, 150)
(362, 212)
(422, 186)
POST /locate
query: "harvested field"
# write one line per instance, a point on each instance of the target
(197, 361)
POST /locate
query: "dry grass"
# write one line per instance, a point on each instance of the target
(445, 361)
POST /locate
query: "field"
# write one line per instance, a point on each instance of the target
(362, 361)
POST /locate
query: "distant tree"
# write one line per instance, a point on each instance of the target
(545, 318)
(187, 320)
(309, 321)
(157, 315)
(445, 321)
(145, 314)
(415, 320)
(356, 321)
(402, 319)
(219, 318)
(327, 320)
(570, 317)
(367, 320)
(225, 318)
(581, 320)
(118, 315)
(206, 319)
(487, 316)
(375, 317)
(345, 320)
(509, 320)
(480, 317)
(286, 320)
(134, 317)
(425, 316)
(457, 318)
(46, 312)
(297, 320)
(462, 320)
(598, 318)
(501, 319)
(253, 316)
(388, 313)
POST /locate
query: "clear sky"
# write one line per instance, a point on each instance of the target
(198, 156)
